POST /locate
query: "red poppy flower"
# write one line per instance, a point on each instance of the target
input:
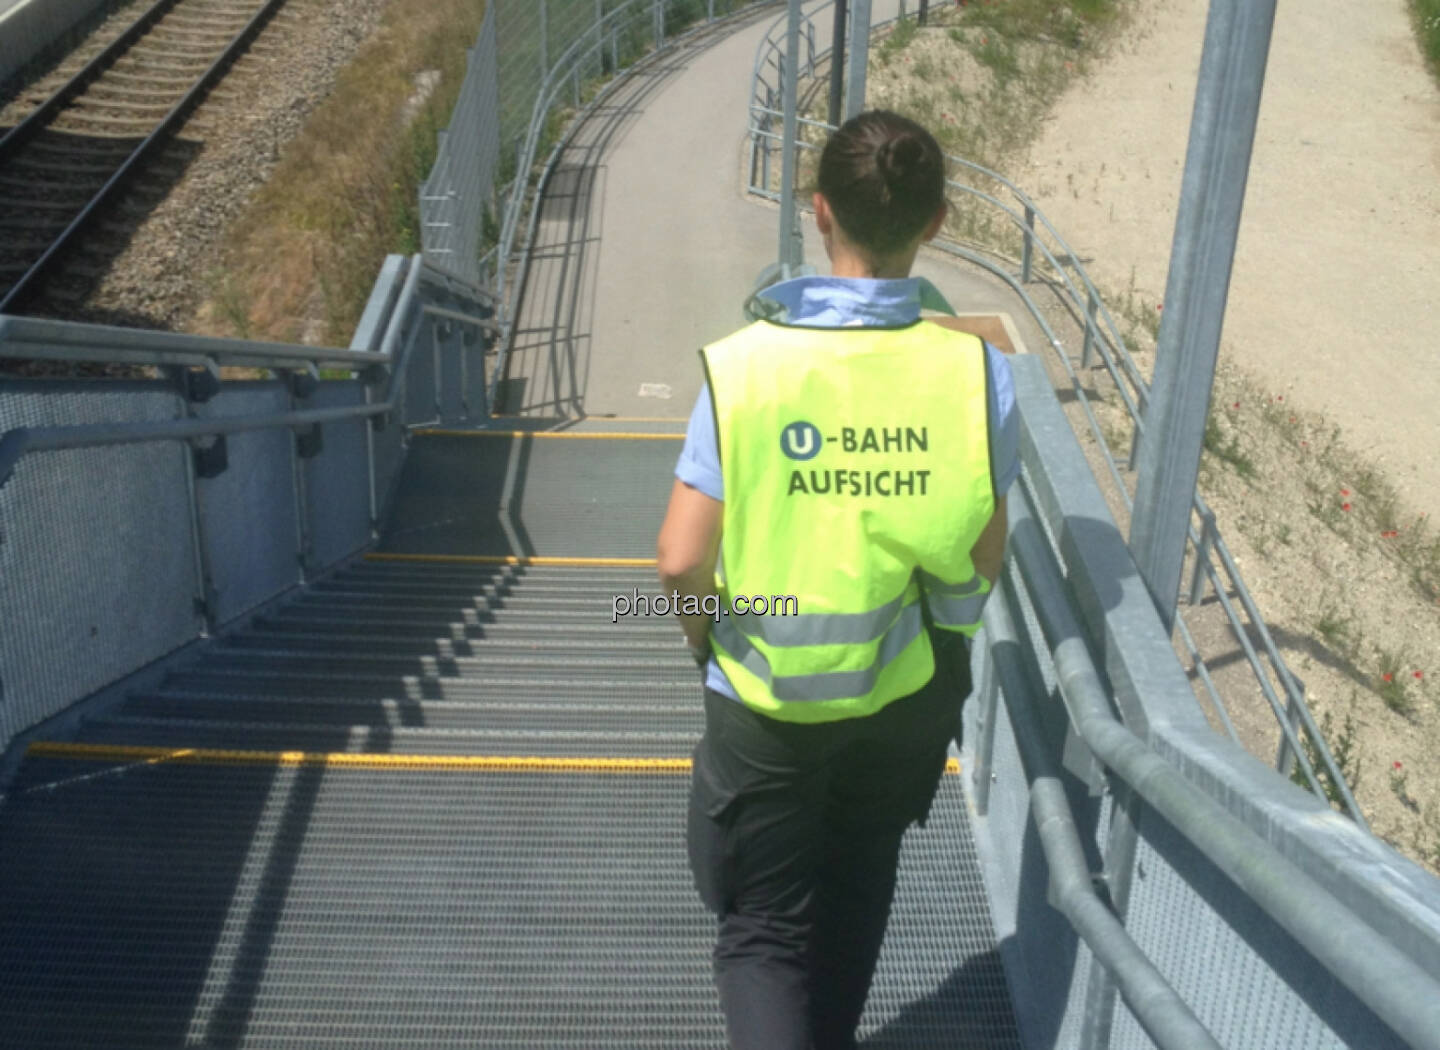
(1397, 763)
(1387, 677)
(1419, 674)
(1344, 506)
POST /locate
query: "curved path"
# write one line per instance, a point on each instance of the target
(648, 245)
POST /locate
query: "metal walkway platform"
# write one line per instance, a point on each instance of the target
(435, 803)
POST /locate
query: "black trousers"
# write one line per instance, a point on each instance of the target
(794, 838)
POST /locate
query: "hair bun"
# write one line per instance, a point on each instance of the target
(898, 157)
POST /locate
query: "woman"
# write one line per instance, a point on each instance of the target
(847, 453)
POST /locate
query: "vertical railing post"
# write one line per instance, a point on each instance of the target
(1212, 192)
(988, 693)
(1027, 250)
(1087, 350)
(659, 15)
(923, 15)
(790, 256)
(1202, 556)
(1285, 757)
(859, 57)
(544, 39)
(837, 61)
(1120, 848)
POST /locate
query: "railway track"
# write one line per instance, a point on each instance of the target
(63, 167)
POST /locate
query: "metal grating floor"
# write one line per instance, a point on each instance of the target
(407, 890)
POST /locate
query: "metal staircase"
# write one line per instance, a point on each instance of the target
(436, 800)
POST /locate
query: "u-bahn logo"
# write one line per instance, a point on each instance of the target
(801, 440)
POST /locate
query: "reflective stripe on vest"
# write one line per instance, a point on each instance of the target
(856, 471)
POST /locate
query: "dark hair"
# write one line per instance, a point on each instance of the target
(884, 176)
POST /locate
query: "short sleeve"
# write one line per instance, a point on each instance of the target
(1004, 422)
(699, 463)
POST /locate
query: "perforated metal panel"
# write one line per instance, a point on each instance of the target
(248, 515)
(96, 552)
(1244, 977)
(337, 481)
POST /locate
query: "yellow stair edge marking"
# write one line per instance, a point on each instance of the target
(518, 559)
(573, 435)
(474, 763)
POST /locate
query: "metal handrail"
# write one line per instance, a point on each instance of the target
(1379, 974)
(1126, 376)
(394, 351)
(44, 338)
(1157, 1007)
(567, 66)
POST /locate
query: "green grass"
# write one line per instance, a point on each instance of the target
(897, 40)
(1426, 17)
(1228, 451)
(1391, 683)
(1342, 749)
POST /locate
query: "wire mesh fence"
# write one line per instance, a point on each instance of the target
(457, 199)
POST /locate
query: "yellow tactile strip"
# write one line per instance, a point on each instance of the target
(59, 749)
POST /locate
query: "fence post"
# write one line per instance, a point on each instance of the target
(924, 13)
(790, 249)
(837, 61)
(859, 56)
(988, 694)
(1087, 350)
(544, 39)
(1202, 555)
(1285, 757)
(1212, 190)
(1027, 250)
(1120, 849)
(659, 16)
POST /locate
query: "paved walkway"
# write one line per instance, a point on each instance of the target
(648, 245)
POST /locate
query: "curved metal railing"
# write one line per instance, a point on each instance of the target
(1067, 278)
(584, 53)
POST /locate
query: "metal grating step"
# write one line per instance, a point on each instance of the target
(613, 716)
(256, 680)
(380, 739)
(168, 904)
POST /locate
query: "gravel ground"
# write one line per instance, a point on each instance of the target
(226, 151)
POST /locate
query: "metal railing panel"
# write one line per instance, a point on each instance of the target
(97, 554)
(457, 198)
(248, 514)
(337, 481)
(1179, 896)
(103, 509)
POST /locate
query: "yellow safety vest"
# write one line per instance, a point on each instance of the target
(856, 468)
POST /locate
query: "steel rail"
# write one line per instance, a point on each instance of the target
(1123, 372)
(24, 288)
(81, 80)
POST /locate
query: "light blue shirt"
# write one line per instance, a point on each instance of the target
(833, 302)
